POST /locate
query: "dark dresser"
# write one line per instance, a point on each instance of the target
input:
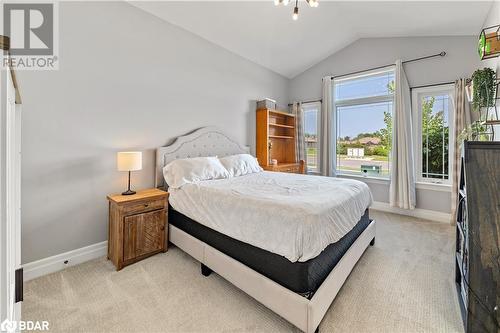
(477, 271)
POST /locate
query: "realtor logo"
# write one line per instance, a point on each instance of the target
(32, 28)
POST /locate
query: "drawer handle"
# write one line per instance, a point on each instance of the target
(162, 228)
(146, 205)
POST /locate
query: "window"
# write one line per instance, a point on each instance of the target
(311, 133)
(433, 121)
(363, 104)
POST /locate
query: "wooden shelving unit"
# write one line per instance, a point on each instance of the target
(280, 137)
(275, 139)
(477, 251)
(489, 42)
(282, 126)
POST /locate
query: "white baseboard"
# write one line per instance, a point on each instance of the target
(56, 263)
(424, 214)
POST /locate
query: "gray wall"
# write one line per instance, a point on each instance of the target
(461, 61)
(127, 80)
(135, 82)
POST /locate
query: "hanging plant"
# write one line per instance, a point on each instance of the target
(483, 81)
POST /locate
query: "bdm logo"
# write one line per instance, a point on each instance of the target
(23, 325)
(32, 28)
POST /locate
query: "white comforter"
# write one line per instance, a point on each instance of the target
(296, 216)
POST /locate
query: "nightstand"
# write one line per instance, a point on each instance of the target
(138, 226)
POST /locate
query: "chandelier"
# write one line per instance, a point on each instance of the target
(295, 16)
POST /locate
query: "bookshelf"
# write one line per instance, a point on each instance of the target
(477, 251)
(275, 139)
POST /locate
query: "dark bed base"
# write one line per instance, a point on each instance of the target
(205, 271)
(303, 278)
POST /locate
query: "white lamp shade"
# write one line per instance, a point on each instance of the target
(129, 160)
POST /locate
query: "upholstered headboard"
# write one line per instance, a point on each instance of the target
(203, 142)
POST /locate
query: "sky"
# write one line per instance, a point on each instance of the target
(357, 119)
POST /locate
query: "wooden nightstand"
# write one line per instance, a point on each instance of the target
(138, 226)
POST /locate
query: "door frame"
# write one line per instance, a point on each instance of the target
(10, 198)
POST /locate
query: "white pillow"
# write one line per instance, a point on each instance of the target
(191, 170)
(241, 164)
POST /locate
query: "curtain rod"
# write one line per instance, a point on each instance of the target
(416, 87)
(433, 85)
(440, 54)
(311, 101)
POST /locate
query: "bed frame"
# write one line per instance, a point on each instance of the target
(306, 314)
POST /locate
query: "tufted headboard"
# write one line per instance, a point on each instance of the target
(203, 142)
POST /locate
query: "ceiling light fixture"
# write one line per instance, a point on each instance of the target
(295, 16)
(312, 3)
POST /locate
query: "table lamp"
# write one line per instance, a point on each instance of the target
(129, 161)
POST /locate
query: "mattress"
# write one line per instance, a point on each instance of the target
(292, 215)
(300, 277)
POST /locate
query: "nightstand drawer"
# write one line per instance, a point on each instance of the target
(145, 206)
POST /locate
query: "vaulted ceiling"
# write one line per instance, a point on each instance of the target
(267, 35)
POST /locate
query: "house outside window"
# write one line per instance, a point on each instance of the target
(363, 104)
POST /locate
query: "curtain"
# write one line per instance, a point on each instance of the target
(402, 192)
(328, 131)
(461, 120)
(300, 143)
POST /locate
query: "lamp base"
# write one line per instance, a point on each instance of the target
(128, 192)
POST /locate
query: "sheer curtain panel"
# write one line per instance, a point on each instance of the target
(328, 130)
(402, 189)
(300, 143)
(462, 120)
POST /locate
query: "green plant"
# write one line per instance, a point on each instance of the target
(483, 81)
(475, 131)
(435, 137)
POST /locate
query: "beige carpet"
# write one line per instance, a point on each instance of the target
(402, 284)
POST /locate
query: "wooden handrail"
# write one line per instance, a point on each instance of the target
(5, 47)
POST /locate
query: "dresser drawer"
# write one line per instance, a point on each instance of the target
(145, 206)
(289, 169)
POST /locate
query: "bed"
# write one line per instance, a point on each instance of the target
(287, 258)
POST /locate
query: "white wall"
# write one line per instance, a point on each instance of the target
(127, 80)
(461, 61)
(494, 19)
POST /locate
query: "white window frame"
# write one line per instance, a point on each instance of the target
(360, 101)
(417, 95)
(314, 105)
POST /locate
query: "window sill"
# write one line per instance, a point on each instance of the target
(386, 181)
(433, 186)
(374, 180)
